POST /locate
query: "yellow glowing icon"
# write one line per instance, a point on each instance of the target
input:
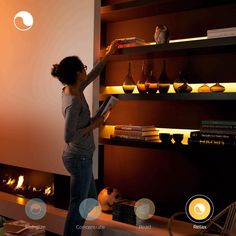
(199, 208)
(23, 20)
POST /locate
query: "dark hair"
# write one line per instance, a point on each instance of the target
(66, 70)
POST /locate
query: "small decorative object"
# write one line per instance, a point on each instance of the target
(164, 83)
(129, 85)
(217, 88)
(204, 89)
(181, 84)
(124, 211)
(178, 138)
(161, 34)
(108, 197)
(165, 137)
(151, 83)
(141, 84)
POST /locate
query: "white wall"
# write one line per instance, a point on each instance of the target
(31, 123)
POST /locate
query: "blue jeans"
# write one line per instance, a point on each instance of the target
(82, 186)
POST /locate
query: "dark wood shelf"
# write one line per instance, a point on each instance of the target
(196, 47)
(178, 96)
(141, 144)
(163, 146)
(142, 8)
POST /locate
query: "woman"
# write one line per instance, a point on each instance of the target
(78, 133)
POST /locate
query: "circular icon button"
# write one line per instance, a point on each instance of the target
(144, 208)
(35, 209)
(199, 208)
(23, 20)
(90, 209)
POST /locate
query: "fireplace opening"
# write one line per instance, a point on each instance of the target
(50, 187)
(27, 183)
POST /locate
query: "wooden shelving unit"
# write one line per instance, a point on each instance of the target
(185, 169)
(142, 8)
(163, 146)
(195, 47)
(177, 96)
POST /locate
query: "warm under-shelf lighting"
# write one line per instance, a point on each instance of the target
(229, 87)
(20, 200)
(107, 130)
(182, 40)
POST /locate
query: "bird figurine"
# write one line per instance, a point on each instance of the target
(161, 34)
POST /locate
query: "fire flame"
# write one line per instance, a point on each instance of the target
(20, 182)
(48, 191)
(10, 182)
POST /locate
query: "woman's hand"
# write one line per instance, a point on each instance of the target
(112, 47)
(97, 121)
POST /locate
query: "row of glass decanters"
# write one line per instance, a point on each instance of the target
(149, 84)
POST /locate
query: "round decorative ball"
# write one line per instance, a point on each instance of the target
(108, 197)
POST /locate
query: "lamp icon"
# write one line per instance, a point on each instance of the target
(199, 208)
(23, 20)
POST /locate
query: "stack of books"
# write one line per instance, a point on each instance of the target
(215, 132)
(124, 212)
(144, 133)
(220, 33)
(23, 228)
(130, 42)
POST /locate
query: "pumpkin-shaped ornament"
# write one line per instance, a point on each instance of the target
(108, 197)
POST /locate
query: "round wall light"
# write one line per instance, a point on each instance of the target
(23, 20)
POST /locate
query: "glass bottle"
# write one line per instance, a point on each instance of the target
(151, 83)
(164, 83)
(217, 88)
(141, 84)
(128, 85)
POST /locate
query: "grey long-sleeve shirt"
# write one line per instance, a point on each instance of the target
(77, 116)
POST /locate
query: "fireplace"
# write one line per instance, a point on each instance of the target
(51, 188)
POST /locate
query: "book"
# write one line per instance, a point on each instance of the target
(218, 131)
(218, 122)
(107, 105)
(227, 127)
(212, 126)
(211, 142)
(203, 135)
(136, 132)
(23, 228)
(128, 137)
(135, 127)
(223, 32)
(15, 229)
(228, 29)
(130, 42)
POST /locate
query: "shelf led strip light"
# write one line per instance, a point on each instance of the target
(182, 40)
(107, 130)
(229, 88)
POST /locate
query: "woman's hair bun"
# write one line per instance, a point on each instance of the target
(55, 70)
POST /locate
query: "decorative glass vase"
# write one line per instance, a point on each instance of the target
(217, 88)
(181, 84)
(128, 85)
(164, 83)
(151, 83)
(204, 89)
(141, 84)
